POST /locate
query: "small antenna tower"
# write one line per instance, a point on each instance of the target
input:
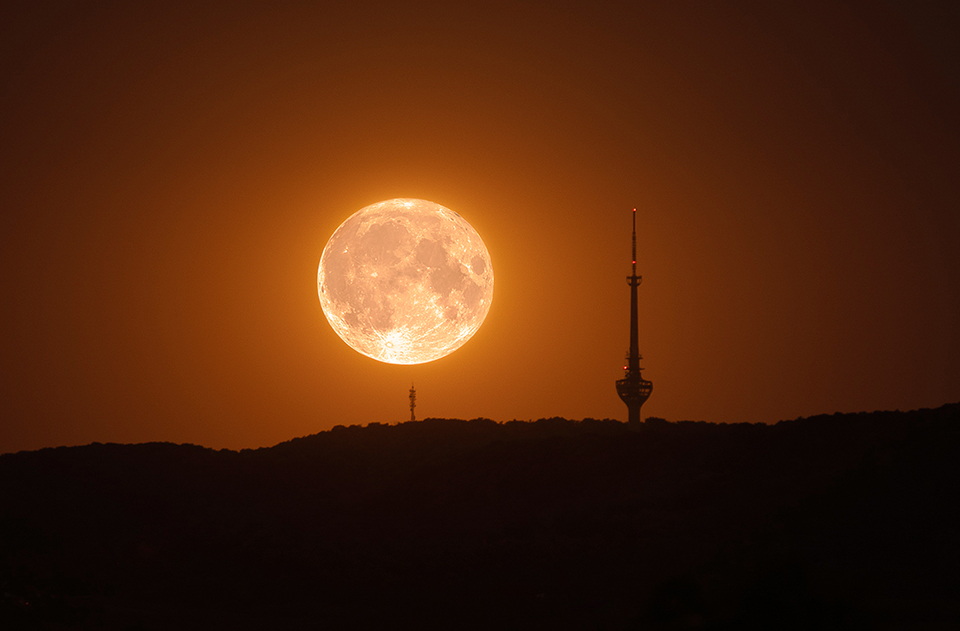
(413, 403)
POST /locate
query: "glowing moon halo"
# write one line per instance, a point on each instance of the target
(405, 281)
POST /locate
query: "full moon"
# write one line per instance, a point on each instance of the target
(405, 281)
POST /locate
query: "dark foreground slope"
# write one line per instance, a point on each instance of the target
(832, 522)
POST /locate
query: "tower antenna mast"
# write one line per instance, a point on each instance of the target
(413, 403)
(633, 389)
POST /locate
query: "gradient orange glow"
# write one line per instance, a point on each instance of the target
(170, 177)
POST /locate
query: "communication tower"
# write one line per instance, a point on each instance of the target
(413, 403)
(633, 389)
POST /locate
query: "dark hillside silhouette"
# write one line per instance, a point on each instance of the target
(843, 521)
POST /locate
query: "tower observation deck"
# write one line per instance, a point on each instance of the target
(633, 389)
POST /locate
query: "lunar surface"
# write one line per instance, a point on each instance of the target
(405, 281)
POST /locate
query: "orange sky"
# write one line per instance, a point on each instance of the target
(171, 175)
